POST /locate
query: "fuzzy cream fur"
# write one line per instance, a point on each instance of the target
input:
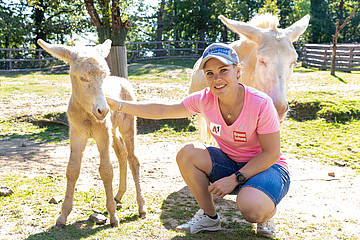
(88, 117)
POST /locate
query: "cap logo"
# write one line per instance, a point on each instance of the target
(217, 51)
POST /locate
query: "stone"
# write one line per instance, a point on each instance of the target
(331, 174)
(98, 218)
(340, 163)
(55, 200)
(5, 191)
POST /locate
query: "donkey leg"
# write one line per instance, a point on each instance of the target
(121, 153)
(135, 170)
(106, 174)
(77, 146)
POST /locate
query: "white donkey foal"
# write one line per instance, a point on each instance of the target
(87, 114)
(267, 58)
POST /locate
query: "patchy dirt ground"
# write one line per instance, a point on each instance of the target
(315, 203)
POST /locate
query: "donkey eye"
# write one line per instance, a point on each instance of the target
(83, 79)
(261, 61)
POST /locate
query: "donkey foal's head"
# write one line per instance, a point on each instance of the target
(88, 69)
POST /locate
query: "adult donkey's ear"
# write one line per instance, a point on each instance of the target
(294, 31)
(251, 32)
(104, 48)
(61, 52)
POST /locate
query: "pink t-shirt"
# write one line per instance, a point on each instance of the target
(239, 140)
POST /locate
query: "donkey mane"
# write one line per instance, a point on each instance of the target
(265, 21)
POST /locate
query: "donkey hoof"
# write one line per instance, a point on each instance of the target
(60, 222)
(114, 224)
(118, 206)
(59, 225)
(142, 215)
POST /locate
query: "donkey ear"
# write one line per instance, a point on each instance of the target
(251, 32)
(294, 31)
(104, 48)
(61, 52)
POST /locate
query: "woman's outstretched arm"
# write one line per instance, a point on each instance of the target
(150, 110)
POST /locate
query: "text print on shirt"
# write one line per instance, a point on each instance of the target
(239, 136)
(215, 128)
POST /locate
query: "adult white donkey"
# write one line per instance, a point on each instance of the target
(88, 118)
(266, 54)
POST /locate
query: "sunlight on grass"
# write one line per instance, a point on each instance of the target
(323, 141)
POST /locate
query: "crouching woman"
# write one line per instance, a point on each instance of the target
(245, 124)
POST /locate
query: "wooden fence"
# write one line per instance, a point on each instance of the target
(18, 59)
(311, 55)
(319, 56)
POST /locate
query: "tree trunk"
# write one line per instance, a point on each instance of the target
(116, 31)
(117, 61)
(333, 56)
(335, 38)
(39, 16)
(160, 28)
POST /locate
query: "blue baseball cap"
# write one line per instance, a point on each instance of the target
(220, 51)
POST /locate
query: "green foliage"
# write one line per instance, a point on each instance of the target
(12, 21)
(54, 20)
(270, 6)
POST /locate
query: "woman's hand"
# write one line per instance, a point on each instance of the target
(113, 104)
(223, 186)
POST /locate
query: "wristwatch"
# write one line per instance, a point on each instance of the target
(240, 177)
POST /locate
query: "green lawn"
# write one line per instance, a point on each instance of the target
(323, 124)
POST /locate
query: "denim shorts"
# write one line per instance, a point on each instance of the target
(274, 181)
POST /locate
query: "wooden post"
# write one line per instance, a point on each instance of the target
(196, 48)
(10, 62)
(351, 58)
(323, 67)
(303, 63)
(169, 48)
(117, 61)
(39, 58)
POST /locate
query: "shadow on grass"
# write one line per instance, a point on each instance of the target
(77, 230)
(145, 126)
(179, 207)
(340, 79)
(53, 71)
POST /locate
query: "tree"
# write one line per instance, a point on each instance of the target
(53, 19)
(320, 22)
(14, 29)
(269, 6)
(111, 22)
(340, 10)
(337, 30)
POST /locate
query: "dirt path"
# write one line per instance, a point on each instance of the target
(315, 199)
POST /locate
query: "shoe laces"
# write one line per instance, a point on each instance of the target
(198, 215)
(268, 225)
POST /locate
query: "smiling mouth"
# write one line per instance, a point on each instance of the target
(220, 86)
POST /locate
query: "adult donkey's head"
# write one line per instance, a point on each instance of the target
(269, 55)
(88, 69)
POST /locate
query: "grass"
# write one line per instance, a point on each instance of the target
(25, 209)
(324, 125)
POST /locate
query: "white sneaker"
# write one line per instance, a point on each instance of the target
(200, 222)
(266, 229)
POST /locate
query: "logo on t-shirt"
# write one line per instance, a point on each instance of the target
(215, 128)
(239, 136)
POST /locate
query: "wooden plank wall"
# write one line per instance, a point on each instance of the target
(319, 56)
(311, 55)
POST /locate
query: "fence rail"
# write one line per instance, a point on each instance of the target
(311, 55)
(19, 59)
(347, 57)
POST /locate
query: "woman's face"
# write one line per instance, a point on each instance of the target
(221, 78)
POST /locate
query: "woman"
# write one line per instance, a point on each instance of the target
(245, 124)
